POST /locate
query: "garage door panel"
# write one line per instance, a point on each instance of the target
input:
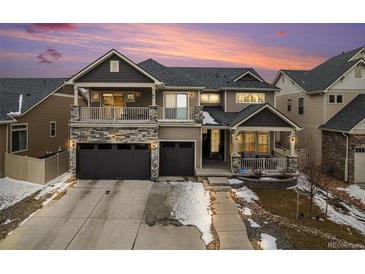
(114, 161)
(177, 159)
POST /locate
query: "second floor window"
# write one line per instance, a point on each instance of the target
(250, 97)
(301, 106)
(335, 99)
(210, 98)
(289, 105)
(52, 129)
(114, 66)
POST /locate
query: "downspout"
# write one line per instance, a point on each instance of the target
(347, 157)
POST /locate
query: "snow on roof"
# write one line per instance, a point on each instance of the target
(208, 120)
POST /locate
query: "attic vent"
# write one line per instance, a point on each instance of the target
(28, 94)
(114, 66)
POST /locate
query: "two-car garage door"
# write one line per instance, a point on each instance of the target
(113, 161)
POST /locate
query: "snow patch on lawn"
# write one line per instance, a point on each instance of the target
(253, 223)
(346, 214)
(247, 211)
(355, 191)
(207, 119)
(193, 208)
(13, 191)
(246, 194)
(268, 242)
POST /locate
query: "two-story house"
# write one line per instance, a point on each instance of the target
(328, 101)
(148, 120)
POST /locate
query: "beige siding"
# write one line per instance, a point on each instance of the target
(349, 81)
(287, 86)
(181, 134)
(310, 120)
(54, 108)
(232, 106)
(2, 148)
(347, 95)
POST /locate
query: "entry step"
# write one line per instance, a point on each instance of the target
(218, 181)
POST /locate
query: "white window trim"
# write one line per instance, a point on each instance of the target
(176, 92)
(335, 102)
(287, 105)
(11, 137)
(114, 63)
(50, 129)
(299, 105)
(262, 93)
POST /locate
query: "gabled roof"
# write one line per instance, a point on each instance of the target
(233, 119)
(207, 77)
(348, 117)
(33, 90)
(325, 74)
(105, 57)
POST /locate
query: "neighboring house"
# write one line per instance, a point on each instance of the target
(147, 120)
(328, 102)
(34, 116)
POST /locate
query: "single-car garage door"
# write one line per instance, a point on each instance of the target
(359, 165)
(113, 161)
(176, 159)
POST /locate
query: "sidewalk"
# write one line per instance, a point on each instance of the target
(230, 228)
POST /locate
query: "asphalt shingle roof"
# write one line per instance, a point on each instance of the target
(349, 116)
(231, 118)
(322, 76)
(208, 77)
(32, 89)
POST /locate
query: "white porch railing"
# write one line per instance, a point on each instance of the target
(115, 114)
(264, 164)
(175, 113)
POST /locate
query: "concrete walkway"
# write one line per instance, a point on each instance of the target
(231, 229)
(100, 215)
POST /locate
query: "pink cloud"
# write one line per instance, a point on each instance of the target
(48, 56)
(280, 34)
(49, 27)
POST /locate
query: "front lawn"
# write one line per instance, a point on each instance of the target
(284, 214)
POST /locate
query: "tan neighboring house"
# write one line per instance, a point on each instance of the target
(34, 116)
(148, 120)
(328, 102)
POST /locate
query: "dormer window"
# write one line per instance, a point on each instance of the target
(114, 66)
(358, 72)
(283, 79)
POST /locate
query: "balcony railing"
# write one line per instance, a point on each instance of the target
(269, 165)
(114, 114)
(176, 114)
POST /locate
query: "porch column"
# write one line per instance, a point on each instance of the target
(292, 144)
(76, 96)
(235, 157)
(153, 96)
(234, 134)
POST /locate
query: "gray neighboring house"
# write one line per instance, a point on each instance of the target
(328, 102)
(147, 120)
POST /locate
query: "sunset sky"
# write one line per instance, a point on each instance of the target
(60, 50)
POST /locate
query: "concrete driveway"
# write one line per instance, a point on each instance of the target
(101, 214)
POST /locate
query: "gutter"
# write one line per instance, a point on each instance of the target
(347, 157)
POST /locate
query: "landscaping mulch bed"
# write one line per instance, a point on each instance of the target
(275, 212)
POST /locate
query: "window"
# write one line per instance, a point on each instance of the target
(176, 106)
(210, 98)
(114, 66)
(215, 140)
(249, 142)
(263, 145)
(358, 72)
(282, 79)
(52, 129)
(335, 99)
(19, 137)
(250, 97)
(331, 99)
(95, 96)
(301, 106)
(339, 99)
(289, 105)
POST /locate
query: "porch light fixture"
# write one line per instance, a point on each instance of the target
(154, 145)
(138, 94)
(191, 94)
(292, 138)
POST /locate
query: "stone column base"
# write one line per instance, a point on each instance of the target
(292, 164)
(236, 164)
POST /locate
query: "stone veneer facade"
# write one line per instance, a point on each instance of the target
(334, 153)
(130, 135)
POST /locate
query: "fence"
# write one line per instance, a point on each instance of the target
(264, 164)
(38, 171)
